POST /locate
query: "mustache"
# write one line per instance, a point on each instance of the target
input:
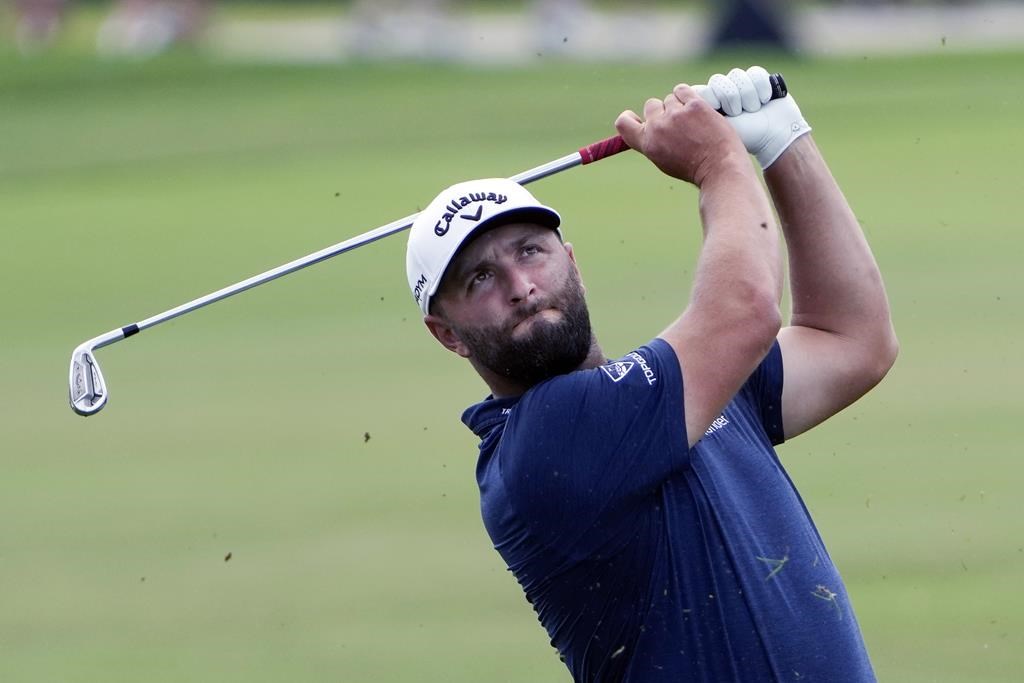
(530, 311)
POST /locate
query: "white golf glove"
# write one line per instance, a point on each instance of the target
(766, 126)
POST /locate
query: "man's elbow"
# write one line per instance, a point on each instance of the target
(764, 319)
(882, 352)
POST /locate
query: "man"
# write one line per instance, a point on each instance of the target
(639, 501)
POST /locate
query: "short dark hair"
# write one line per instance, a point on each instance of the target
(435, 307)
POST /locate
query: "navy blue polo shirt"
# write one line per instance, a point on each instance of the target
(648, 561)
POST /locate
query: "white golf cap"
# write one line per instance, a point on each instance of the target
(459, 212)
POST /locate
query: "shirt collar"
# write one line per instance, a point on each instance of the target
(484, 416)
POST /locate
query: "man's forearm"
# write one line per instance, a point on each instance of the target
(739, 225)
(835, 282)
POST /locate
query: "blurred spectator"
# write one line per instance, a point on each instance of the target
(133, 27)
(37, 23)
(751, 22)
(148, 27)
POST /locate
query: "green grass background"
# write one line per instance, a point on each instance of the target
(310, 428)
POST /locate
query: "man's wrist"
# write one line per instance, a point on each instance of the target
(731, 168)
(800, 152)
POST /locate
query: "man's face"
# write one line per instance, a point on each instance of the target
(513, 302)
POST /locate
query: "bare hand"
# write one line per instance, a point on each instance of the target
(683, 136)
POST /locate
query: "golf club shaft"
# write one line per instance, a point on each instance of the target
(585, 155)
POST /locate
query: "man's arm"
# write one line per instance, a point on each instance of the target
(840, 342)
(733, 315)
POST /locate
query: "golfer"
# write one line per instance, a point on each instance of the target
(638, 500)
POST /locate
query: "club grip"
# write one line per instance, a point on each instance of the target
(596, 151)
(779, 89)
(601, 149)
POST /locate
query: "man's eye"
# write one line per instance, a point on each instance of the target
(530, 249)
(478, 277)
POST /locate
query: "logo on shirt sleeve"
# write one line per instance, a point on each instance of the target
(648, 373)
(617, 370)
(718, 423)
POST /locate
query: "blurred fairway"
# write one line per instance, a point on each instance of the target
(281, 489)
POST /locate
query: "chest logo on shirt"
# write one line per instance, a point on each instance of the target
(617, 370)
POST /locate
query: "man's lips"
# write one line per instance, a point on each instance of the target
(546, 313)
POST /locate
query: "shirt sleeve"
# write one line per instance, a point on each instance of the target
(587, 444)
(764, 389)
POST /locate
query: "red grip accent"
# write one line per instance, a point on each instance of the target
(596, 151)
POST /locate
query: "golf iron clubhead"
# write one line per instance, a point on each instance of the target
(87, 391)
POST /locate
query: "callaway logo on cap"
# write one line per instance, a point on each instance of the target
(458, 213)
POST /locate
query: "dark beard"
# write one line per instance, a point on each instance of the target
(551, 348)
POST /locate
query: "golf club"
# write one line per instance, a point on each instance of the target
(88, 391)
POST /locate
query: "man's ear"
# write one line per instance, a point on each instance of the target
(444, 333)
(569, 250)
(572, 257)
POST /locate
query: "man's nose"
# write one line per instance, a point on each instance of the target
(520, 285)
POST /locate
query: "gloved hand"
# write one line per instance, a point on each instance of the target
(767, 127)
